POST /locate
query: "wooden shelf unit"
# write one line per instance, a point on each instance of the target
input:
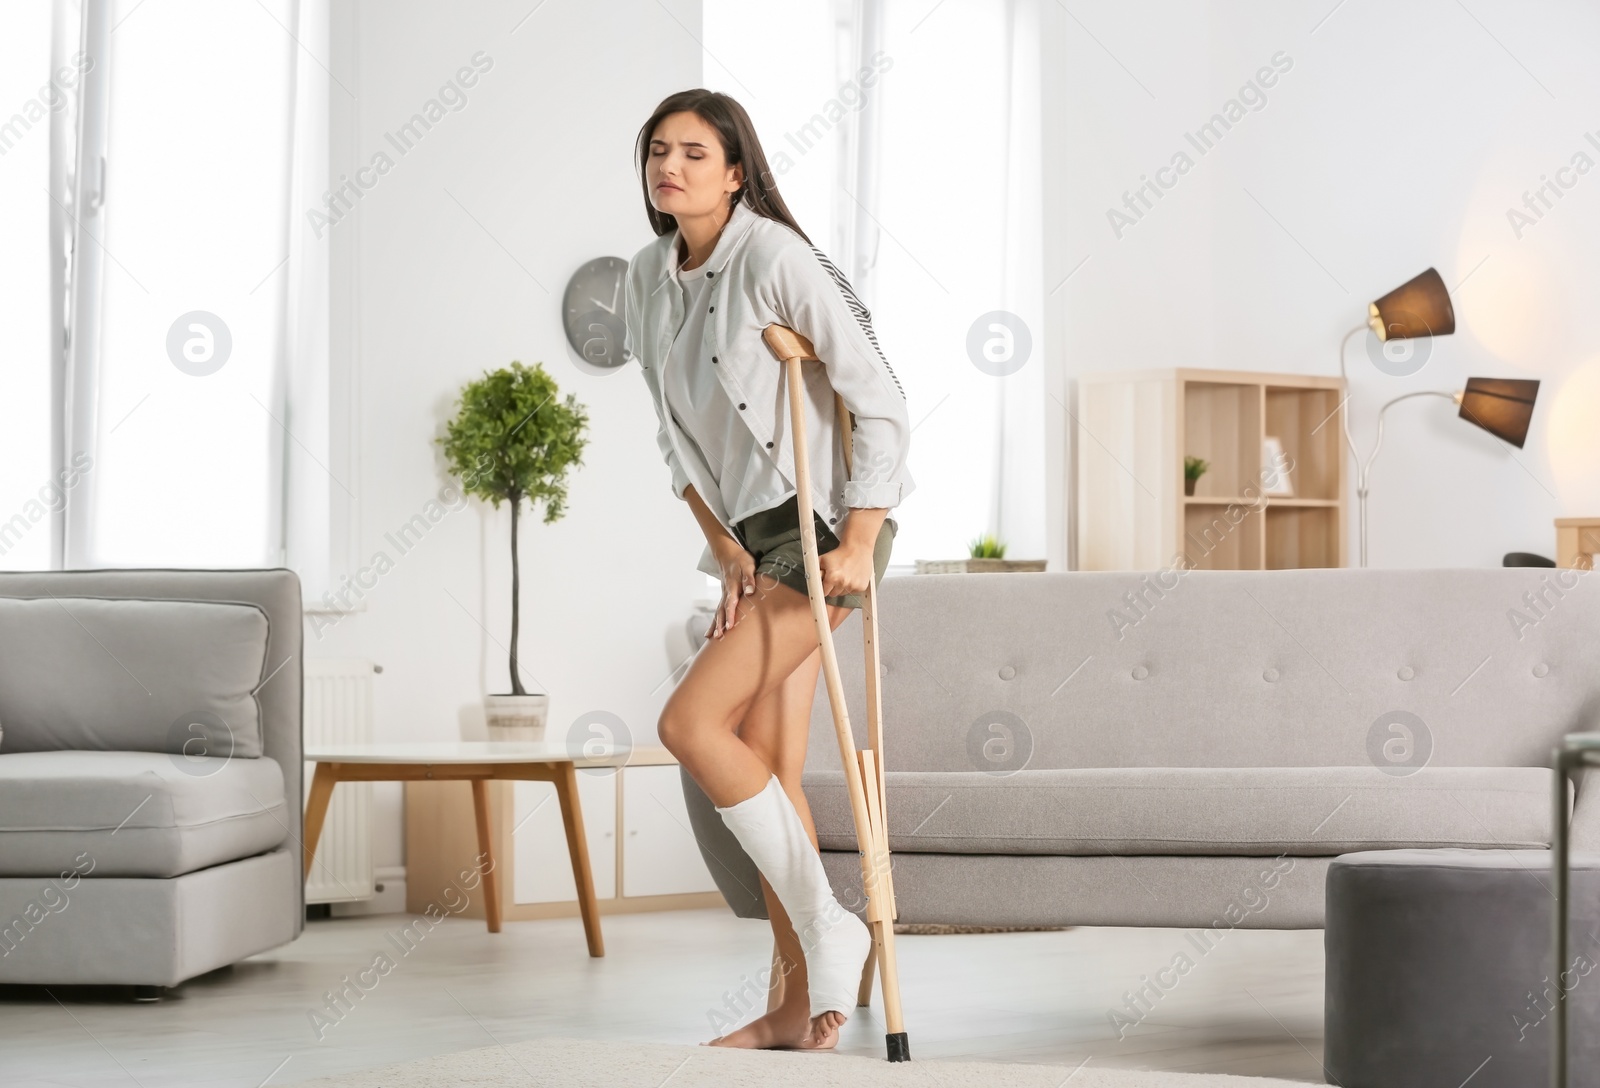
(1136, 427)
(1577, 542)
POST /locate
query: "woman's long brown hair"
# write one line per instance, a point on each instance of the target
(739, 143)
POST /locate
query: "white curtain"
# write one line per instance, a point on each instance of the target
(1019, 504)
(318, 493)
(197, 310)
(945, 227)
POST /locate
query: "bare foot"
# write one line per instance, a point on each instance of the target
(825, 1031)
(788, 1027)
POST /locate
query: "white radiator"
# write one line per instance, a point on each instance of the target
(339, 711)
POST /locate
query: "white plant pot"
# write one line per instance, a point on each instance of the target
(516, 717)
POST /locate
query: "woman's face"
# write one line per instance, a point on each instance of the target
(687, 171)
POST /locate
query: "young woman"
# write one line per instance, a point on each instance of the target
(728, 261)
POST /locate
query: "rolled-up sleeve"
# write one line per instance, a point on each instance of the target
(812, 297)
(633, 337)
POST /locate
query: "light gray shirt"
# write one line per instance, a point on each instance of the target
(760, 273)
(745, 475)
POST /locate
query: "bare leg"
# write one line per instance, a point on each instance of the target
(741, 715)
(777, 728)
(700, 722)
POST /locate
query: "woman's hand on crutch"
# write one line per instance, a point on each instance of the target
(846, 569)
(849, 567)
(738, 580)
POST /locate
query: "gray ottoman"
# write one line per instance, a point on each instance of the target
(1439, 970)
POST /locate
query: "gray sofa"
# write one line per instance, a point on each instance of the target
(1194, 748)
(150, 773)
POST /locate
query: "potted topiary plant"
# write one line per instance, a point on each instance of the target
(1193, 469)
(512, 441)
(986, 555)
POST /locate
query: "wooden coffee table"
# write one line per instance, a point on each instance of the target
(477, 762)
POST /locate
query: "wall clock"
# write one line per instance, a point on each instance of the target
(592, 311)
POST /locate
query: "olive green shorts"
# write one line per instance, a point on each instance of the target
(773, 538)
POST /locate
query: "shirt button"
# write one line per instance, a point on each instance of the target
(769, 445)
(710, 274)
(713, 358)
(832, 520)
(741, 405)
(712, 310)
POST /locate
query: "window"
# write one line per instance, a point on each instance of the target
(31, 493)
(854, 155)
(178, 380)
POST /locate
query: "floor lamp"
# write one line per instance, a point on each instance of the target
(1421, 307)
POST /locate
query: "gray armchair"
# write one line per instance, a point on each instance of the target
(150, 773)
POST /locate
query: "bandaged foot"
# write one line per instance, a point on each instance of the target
(834, 940)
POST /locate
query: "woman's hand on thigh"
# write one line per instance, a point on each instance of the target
(738, 580)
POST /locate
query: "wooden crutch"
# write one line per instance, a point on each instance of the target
(863, 768)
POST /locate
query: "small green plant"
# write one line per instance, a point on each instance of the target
(1194, 468)
(512, 440)
(987, 547)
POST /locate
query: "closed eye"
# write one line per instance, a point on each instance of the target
(695, 151)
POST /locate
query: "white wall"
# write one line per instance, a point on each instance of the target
(1398, 139)
(455, 263)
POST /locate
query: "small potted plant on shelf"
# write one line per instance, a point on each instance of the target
(986, 555)
(1193, 469)
(512, 441)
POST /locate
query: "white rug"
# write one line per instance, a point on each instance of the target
(590, 1063)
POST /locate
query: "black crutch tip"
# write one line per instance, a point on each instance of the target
(899, 1046)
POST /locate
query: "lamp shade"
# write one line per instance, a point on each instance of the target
(1418, 307)
(1501, 406)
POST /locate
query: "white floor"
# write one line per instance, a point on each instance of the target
(1252, 1005)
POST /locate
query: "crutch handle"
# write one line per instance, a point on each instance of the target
(787, 344)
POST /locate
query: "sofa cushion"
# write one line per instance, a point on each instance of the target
(90, 673)
(141, 814)
(1303, 811)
